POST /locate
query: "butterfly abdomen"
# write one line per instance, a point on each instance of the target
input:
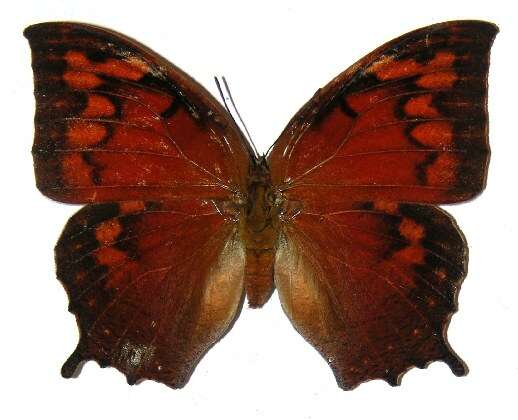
(259, 276)
(259, 233)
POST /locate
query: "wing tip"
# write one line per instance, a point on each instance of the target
(30, 30)
(488, 27)
(41, 28)
(38, 29)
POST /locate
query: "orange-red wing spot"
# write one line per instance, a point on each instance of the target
(108, 231)
(81, 79)
(98, 106)
(110, 256)
(131, 68)
(413, 254)
(440, 274)
(389, 68)
(442, 59)
(389, 207)
(443, 171)
(421, 106)
(128, 207)
(77, 60)
(411, 230)
(434, 133)
(85, 133)
(438, 80)
(75, 171)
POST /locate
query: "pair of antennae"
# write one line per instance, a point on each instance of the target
(230, 105)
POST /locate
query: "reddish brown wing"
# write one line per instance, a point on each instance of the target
(154, 265)
(114, 121)
(373, 290)
(406, 123)
(154, 285)
(369, 278)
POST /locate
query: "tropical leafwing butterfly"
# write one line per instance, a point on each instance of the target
(182, 218)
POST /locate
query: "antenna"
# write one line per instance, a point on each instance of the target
(232, 110)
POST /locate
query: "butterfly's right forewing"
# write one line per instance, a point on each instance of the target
(408, 122)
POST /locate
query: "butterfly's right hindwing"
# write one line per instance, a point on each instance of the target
(374, 289)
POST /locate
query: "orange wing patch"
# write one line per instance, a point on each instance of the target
(421, 106)
(442, 170)
(98, 106)
(131, 68)
(108, 231)
(81, 80)
(438, 80)
(85, 133)
(389, 68)
(436, 134)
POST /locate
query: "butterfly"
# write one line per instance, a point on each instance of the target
(182, 218)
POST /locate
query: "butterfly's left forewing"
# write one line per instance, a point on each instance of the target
(153, 264)
(368, 269)
(115, 121)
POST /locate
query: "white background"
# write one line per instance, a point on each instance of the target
(275, 56)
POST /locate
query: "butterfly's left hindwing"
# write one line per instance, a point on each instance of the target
(154, 265)
(368, 270)
(153, 285)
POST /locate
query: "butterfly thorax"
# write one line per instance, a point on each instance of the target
(259, 231)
